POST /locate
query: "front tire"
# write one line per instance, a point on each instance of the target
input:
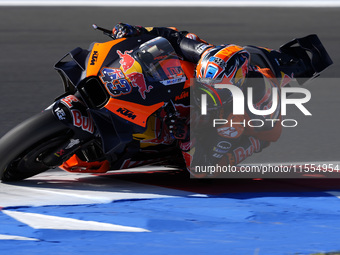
(21, 147)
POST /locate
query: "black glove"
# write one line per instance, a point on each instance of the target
(122, 30)
(178, 128)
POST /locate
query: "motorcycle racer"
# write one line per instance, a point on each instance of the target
(228, 64)
(131, 101)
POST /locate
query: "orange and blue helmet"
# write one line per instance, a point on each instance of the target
(226, 64)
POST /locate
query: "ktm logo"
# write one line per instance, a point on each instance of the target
(126, 113)
(94, 58)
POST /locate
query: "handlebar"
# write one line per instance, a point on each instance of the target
(104, 30)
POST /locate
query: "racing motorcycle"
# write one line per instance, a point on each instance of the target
(117, 97)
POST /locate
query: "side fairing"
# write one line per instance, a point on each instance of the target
(71, 68)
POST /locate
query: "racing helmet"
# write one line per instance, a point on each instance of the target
(225, 63)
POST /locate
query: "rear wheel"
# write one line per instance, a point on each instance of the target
(21, 148)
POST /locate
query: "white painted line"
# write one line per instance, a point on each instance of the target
(41, 221)
(18, 238)
(160, 3)
(56, 187)
(334, 193)
(32, 196)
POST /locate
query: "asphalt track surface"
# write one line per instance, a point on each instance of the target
(184, 216)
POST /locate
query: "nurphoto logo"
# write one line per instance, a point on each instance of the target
(239, 105)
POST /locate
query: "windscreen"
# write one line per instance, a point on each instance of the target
(160, 62)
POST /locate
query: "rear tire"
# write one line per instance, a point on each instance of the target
(21, 147)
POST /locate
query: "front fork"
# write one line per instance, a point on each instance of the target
(73, 113)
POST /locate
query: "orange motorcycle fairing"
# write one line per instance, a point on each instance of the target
(76, 165)
(135, 113)
(98, 55)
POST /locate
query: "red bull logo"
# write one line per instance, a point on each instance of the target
(126, 61)
(133, 72)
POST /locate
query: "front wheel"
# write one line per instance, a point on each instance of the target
(21, 147)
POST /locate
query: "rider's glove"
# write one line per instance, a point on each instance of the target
(178, 128)
(122, 30)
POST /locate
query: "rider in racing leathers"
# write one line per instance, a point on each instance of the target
(230, 64)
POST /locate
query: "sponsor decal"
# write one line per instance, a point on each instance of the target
(59, 153)
(217, 155)
(69, 100)
(175, 70)
(83, 122)
(60, 113)
(127, 113)
(232, 131)
(184, 94)
(133, 72)
(221, 148)
(94, 58)
(126, 60)
(202, 47)
(173, 81)
(242, 153)
(228, 132)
